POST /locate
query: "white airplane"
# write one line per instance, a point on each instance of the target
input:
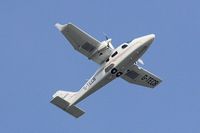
(114, 62)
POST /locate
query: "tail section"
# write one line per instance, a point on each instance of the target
(66, 95)
(64, 100)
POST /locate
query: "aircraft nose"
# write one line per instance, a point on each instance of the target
(144, 43)
(148, 39)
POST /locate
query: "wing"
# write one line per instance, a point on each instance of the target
(83, 42)
(140, 76)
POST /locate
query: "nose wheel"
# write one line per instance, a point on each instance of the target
(119, 74)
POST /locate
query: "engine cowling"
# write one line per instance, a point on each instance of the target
(105, 45)
(103, 51)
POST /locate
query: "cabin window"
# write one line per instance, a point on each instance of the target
(115, 53)
(124, 46)
(109, 68)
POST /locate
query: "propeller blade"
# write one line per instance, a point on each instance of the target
(105, 36)
(140, 61)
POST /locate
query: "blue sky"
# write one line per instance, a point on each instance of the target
(36, 61)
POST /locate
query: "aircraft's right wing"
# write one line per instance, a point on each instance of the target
(83, 42)
(140, 76)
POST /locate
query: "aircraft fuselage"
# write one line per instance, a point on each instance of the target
(122, 58)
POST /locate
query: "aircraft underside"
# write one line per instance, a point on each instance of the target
(120, 62)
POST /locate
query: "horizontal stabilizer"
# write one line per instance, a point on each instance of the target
(64, 105)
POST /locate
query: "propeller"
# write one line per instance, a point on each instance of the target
(106, 36)
(140, 61)
(108, 41)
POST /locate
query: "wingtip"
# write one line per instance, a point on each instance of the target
(59, 26)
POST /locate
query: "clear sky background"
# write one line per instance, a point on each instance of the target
(36, 60)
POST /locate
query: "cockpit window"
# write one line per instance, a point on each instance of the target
(107, 60)
(124, 46)
(115, 53)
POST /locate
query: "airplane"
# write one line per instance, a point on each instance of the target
(122, 62)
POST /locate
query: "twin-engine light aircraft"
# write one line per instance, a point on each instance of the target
(114, 62)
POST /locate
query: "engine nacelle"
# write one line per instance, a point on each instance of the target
(103, 51)
(105, 45)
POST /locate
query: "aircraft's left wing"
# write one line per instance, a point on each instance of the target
(140, 76)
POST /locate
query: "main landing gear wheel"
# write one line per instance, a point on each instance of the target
(114, 70)
(119, 74)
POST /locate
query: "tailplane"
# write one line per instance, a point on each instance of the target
(64, 100)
